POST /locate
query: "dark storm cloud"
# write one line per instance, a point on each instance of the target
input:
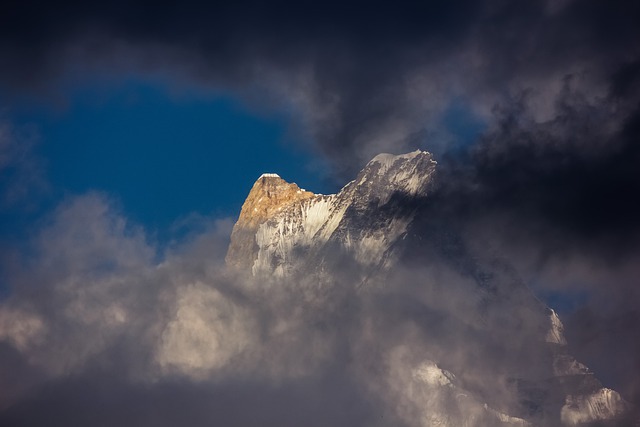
(572, 173)
(363, 76)
(557, 199)
(552, 181)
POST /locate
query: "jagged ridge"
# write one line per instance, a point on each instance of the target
(272, 228)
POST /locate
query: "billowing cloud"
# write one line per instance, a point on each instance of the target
(95, 317)
(547, 177)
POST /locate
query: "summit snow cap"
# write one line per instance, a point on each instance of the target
(388, 174)
(387, 160)
(269, 175)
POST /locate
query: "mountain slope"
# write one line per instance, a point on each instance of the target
(481, 350)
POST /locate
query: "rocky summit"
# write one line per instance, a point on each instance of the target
(482, 349)
(269, 195)
(280, 225)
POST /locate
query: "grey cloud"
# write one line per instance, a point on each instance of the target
(93, 318)
(99, 331)
(551, 180)
(361, 76)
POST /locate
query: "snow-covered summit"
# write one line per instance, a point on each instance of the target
(269, 175)
(269, 196)
(405, 174)
(387, 160)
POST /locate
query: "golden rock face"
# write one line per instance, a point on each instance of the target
(268, 196)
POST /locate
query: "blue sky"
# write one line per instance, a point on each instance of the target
(164, 153)
(161, 154)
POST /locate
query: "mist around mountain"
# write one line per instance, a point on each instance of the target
(362, 308)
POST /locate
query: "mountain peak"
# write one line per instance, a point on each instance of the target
(269, 175)
(387, 160)
(376, 235)
(269, 195)
(277, 211)
(388, 174)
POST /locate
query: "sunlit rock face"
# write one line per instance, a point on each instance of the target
(460, 340)
(280, 225)
(269, 196)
